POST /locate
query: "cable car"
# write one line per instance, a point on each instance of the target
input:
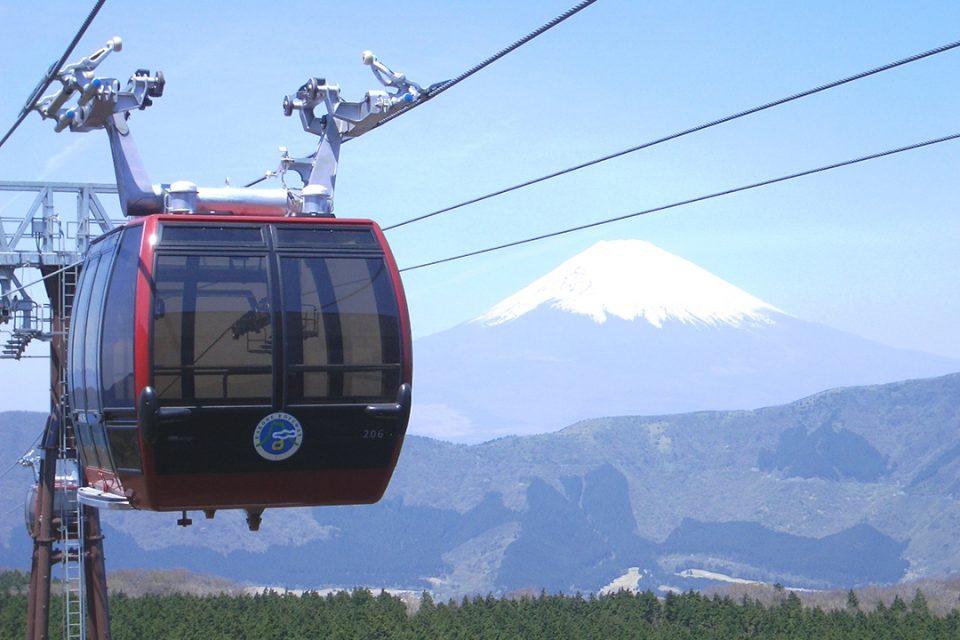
(239, 362)
(235, 347)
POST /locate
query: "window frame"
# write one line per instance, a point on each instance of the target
(126, 275)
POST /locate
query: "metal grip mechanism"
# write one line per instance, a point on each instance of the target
(101, 104)
(342, 121)
(352, 118)
(390, 78)
(99, 98)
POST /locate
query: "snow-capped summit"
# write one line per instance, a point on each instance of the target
(634, 279)
(625, 328)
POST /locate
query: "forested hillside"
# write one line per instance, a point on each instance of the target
(361, 614)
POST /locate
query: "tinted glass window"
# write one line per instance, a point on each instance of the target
(118, 324)
(83, 430)
(125, 446)
(323, 237)
(213, 335)
(78, 395)
(78, 324)
(342, 329)
(91, 345)
(222, 235)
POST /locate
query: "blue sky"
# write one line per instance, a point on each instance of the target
(871, 249)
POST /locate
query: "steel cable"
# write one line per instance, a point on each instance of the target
(52, 71)
(680, 134)
(439, 88)
(681, 203)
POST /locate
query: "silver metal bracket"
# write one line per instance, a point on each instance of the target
(352, 118)
(101, 104)
(101, 499)
(31, 460)
(99, 98)
(342, 121)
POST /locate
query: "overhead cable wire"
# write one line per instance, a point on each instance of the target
(755, 185)
(13, 465)
(439, 88)
(685, 132)
(13, 509)
(52, 71)
(16, 462)
(24, 287)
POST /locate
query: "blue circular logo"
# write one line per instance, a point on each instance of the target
(278, 436)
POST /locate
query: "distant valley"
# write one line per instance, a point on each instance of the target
(843, 488)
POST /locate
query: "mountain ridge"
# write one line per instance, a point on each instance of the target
(592, 338)
(634, 280)
(548, 369)
(675, 496)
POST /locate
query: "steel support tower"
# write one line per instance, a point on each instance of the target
(46, 239)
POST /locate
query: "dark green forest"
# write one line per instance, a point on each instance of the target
(362, 615)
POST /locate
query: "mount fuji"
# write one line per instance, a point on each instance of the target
(626, 328)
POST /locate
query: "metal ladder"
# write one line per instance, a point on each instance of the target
(71, 542)
(71, 512)
(68, 288)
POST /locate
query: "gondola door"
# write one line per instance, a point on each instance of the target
(213, 373)
(343, 365)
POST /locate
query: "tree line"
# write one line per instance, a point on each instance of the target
(363, 615)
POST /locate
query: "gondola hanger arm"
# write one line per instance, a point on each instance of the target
(98, 98)
(341, 121)
(352, 119)
(100, 103)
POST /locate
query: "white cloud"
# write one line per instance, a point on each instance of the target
(58, 160)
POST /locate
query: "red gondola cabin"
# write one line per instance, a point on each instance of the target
(239, 362)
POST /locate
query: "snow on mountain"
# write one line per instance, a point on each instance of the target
(626, 328)
(634, 279)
